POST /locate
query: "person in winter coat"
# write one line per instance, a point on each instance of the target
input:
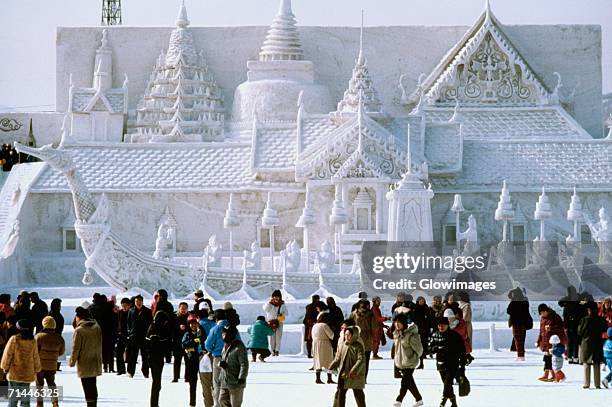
(323, 353)
(21, 362)
(55, 311)
(310, 318)
(408, 352)
(590, 329)
(437, 307)
(573, 312)
(608, 357)
(550, 324)
(192, 344)
(122, 335)
(214, 345)
(235, 368)
(423, 318)
(466, 313)
(605, 311)
(86, 354)
(50, 346)
(138, 321)
(350, 363)
(449, 348)
(378, 335)
(39, 310)
(458, 325)
(162, 304)
(519, 320)
(276, 313)
(364, 319)
(5, 306)
(345, 324)
(102, 312)
(158, 342)
(180, 327)
(557, 351)
(258, 343)
(336, 316)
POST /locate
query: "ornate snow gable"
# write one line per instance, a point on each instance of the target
(484, 69)
(359, 148)
(360, 82)
(182, 101)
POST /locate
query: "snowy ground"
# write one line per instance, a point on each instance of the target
(286, 382)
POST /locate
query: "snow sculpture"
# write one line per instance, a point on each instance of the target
(602, 234)
(231, 221)
(252, 259)
(504, 211)
(471, 247)
(306, 220)
(574, 214)
(270, 220)
(542, 212)
(164, 244)
(326, 260)
(213, 253)
(291, 257)
(337, 218)
(11, 242)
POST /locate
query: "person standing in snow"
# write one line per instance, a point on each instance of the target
(180, 327)
(323, 353)
(158, 341)
(310, 318)
(449, 348)
(122, 335)
(235, 368)
(378, 335)
(138, 321)
(192, 345)
(550, 324)
(408, 351)
(86, 354)
(336, 316)
(364, 318)
(423, 318)
(590, 330)
(214, 345)
(519, 320)
(557, 351)
(608, 356)
(50, 347)
(276, 314)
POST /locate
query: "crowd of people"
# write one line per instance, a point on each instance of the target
(110, 338)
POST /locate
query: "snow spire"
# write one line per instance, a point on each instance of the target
(283, 41)
(181, 20)
(360, 81)
(360, 121)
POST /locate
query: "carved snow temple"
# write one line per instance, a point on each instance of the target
(264, 115)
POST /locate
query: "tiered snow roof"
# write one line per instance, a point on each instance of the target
(101, 96)
(283, 41)
(182, 101)
(360, 83)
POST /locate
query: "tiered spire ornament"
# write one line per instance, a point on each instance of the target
(182, 101)
(504, 211)
(283, 41)
(270, 220)
(305, 221)
(337, 218)
(543, 212)
(360, 84)
(230, 221)
(575, 214)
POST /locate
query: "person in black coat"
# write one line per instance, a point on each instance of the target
(519, 320)
(164, 305)
(158, 342)
(590, 331)
(310, 318)
(449, 349)
(39, 310)
(422, 316)
(122, 334)
(180, 328)
(336, 316)
(102, 311)
(573, 312)
(138, 321)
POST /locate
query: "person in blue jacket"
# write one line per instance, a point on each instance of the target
(258, 343)
(608, 356)
(192, 345)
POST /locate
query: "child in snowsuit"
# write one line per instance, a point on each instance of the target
(557, 351)
(608, 356)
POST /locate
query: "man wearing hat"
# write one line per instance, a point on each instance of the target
(450, 357)
(86, 354)
(50, 347)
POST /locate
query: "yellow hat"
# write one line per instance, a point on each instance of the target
(48, 322)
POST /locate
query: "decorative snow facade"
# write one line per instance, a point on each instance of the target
(481, 117)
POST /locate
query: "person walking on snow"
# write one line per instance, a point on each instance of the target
(158, 342)
(235, 368)
(276, 314)
(408, 351)
(323, 353)
(350, 363)
(86, 354)
(449, 348)
(192, 345)
(50, 346)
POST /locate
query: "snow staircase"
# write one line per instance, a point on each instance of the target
(13, 194)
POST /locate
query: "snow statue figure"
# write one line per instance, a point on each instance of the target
(165, 241)
(471, 248)
(602, 234)
(291, 257)
(11, 242)
(326, 260)
(252, 259)
(213, 252)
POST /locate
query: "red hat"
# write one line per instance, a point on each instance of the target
(191, 318)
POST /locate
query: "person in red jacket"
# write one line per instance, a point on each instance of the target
(378, 335)
(550, 324)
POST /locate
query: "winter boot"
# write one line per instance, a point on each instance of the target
(443, 402)
(55, 403)
(418, 403)
(318, 381)
(545, 377)
(453, 401)
(329, 379)
(597, 376)
(559, 376)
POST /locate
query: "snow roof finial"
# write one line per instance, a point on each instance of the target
(488, 8)
(284, 8)
(361, 58)
(360, 119)
(182, 21)
(408, 153)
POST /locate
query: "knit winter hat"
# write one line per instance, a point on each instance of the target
(442, 321)
(24, 325)
(554, 340)
(48, 322)
(449, 313)
(609, 333)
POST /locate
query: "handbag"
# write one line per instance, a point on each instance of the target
(529, 324)
(464, 386)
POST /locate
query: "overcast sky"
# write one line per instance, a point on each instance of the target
(27, 27)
